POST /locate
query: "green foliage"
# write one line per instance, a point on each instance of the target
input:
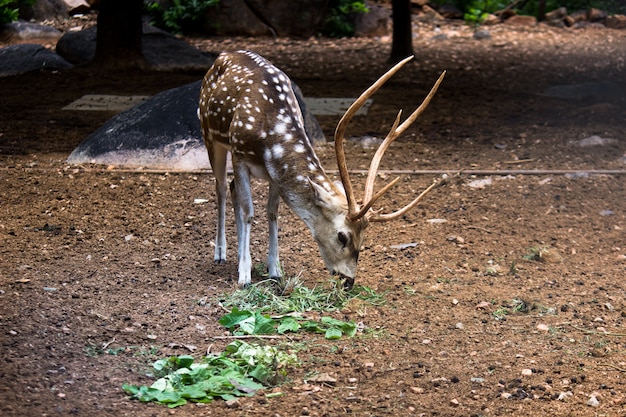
(240, 371)
(179, 16)
(243, 369)
(475, 11)
(254, 323)
(10, 9)
(340, 19)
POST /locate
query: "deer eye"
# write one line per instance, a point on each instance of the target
(343, 238)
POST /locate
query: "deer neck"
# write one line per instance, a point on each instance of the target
(298, 174)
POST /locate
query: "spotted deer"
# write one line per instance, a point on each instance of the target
(248, 107)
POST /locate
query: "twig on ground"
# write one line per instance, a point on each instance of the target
(482, 229)
(107, 344)
(617, 368)
(587, 331)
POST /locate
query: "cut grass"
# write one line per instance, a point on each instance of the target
(291, 295)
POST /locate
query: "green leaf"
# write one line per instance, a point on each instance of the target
(235, 317)
(260, 373)
(312, 326)
(288, 324)
(161, 384)
(247, 326)
(184, 361)
(169, 397)
(333, 333)
(193, 392)
(264, 324)
(346, 327)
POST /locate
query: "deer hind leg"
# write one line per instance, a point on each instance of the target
(217, 157)
(273, 263)
(244, 212)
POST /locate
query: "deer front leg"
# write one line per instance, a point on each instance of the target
(273, 263)
(244, 212)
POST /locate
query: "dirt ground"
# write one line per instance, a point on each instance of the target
(95, 262)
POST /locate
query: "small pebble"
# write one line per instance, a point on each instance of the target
(232, 404)
(527, 372)
(543, 327)
(593, 401)
(563, 396)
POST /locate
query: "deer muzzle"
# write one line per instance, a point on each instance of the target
(348, 282)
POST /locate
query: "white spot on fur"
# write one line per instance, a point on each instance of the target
(278, 151)
(280, 128)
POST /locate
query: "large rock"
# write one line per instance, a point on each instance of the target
(617, 21)
(45, 10)
(77, 6)
(54, 9)
(78, 47)
(266, 17)
(25, 31)
(376, 22)
(18, 59)
(162, 51)
(161, 133)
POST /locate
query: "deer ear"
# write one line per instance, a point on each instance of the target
(339, 186)
(321, 196)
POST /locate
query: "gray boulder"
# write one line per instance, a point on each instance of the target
(26, 31)
(266, 17)
(163, 132)
(18, 59)
(376, 22)
(162, 51)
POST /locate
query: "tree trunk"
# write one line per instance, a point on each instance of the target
(118, 45)
(402, 40)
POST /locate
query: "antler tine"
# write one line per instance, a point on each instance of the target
(393, 134)
(368, 204)
(398, 213)
(340, 130)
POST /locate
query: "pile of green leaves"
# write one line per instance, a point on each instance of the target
(240, 371)
(244, 368)
(179, 16)
(254, 323)
(10, 9)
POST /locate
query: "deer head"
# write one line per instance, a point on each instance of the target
(352, 219)
(247, 107)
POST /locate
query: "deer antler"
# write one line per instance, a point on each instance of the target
(396, 130)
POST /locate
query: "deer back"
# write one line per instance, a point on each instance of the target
(248, 105)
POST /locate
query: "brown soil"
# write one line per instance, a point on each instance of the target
(93, 258)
